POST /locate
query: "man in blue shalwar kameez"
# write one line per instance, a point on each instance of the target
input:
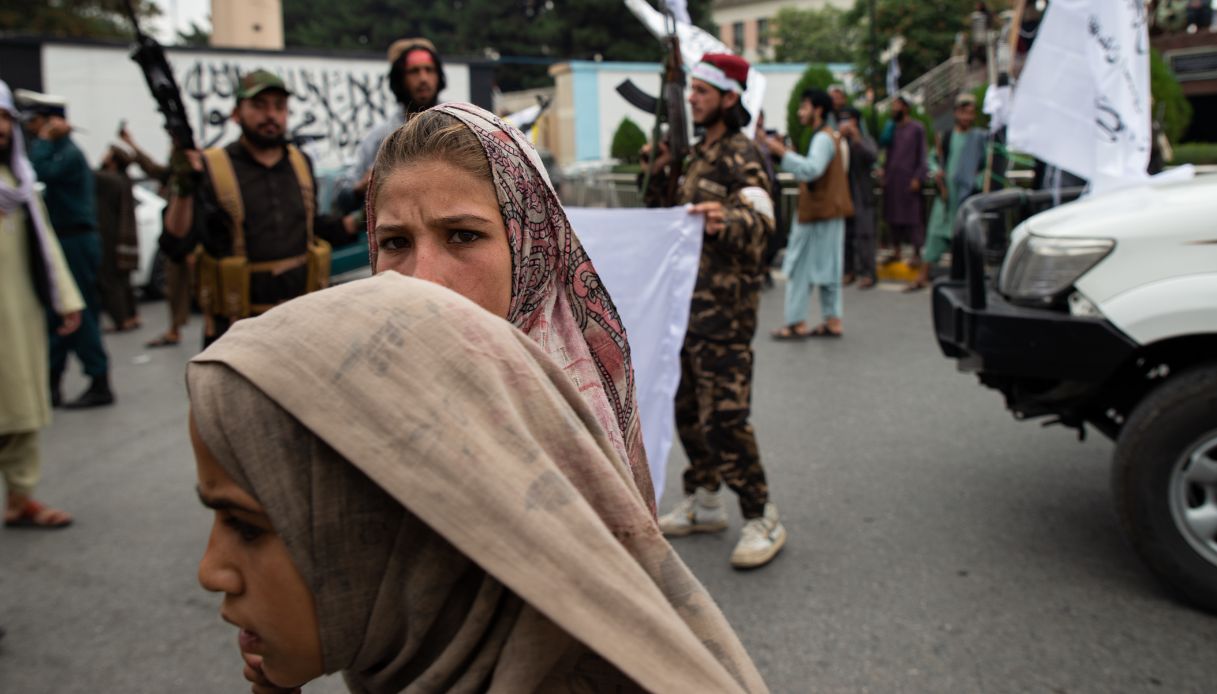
(957, 167)
(815, 253)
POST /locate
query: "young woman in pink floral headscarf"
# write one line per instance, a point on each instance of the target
(460, 198)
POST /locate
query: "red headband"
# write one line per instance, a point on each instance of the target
(419, 56)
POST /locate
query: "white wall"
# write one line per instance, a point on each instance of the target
(609, 107)
(613, 107)
(337, 98)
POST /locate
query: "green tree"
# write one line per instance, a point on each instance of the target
(525, 35)
(1171, 107)
(814, 36)
(929, 26)
(814, 77)
(105, 19)
(627, 141)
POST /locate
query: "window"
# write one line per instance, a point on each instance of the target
(762, 35)
(737, 37)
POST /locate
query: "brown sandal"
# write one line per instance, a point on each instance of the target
(789, 333)
(822, 330)
(34, 514)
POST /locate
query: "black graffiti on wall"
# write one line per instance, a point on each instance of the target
(332, 108)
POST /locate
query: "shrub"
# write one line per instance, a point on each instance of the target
(628, 139)
(1170, 105)
(1198, 153)
(815, 77)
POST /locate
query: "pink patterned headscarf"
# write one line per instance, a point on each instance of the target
(557, 299)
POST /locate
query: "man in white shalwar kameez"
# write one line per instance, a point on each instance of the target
(33, 275)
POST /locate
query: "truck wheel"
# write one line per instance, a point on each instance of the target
(1164, 479)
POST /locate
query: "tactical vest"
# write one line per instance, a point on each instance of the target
(828, 196)
(223, 283)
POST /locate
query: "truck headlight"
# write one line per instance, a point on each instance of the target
(1041, 269)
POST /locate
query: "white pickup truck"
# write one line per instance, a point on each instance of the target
(1104, 314)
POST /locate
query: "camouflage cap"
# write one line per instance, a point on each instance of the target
(259, 81)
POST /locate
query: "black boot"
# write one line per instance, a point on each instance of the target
(56, 390)
(97, 395)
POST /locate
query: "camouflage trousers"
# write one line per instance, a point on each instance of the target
(712, 408)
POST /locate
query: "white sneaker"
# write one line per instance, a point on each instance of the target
(760, 540)
(700, 512)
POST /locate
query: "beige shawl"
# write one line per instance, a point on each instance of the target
(480, 534)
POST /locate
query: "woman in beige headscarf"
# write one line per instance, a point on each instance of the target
(481, 534)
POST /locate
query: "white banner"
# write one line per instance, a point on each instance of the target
(648, 261)
(694, 43)
(1082, 100)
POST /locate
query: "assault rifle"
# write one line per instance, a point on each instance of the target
(150, 57)
(670, 109)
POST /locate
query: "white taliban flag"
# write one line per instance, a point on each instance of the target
(648, 261)
(1082, 102)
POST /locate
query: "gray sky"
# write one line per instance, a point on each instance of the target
(177, 14)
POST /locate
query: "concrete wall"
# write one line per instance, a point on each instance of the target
(587, 108)
(337, 99)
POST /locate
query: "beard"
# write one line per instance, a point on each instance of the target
(260, 141)
(711, 119)
(900, 116)
(414, 105)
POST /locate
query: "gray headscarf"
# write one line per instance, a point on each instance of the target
(461, 517)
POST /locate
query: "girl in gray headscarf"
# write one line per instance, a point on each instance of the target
(409, 491)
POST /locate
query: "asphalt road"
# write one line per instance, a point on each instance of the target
(936, 545)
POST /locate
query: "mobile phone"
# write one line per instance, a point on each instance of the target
(122, 125)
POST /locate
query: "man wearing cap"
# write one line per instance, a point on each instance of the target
(34, 283)
(725, 180)
(252, 205)
(62, 167)
(958, 169)
(416, 77)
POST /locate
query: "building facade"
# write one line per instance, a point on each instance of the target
(747, 26)
(247, 24)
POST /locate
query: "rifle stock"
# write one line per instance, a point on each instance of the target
(150, 57)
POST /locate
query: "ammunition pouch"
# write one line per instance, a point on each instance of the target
(320, 255)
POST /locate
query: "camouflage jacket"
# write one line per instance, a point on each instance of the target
(727, 294)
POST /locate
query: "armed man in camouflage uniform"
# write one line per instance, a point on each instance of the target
(725, 180)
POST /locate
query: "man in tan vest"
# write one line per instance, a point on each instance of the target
(252, 206)
(815, 254)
